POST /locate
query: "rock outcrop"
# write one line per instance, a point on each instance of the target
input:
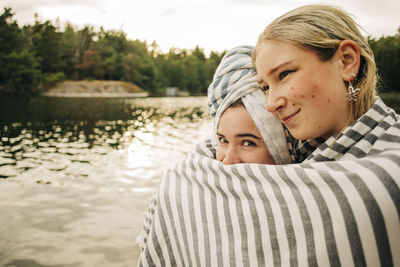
(96, 89)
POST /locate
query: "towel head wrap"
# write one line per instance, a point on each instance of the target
(236, 78)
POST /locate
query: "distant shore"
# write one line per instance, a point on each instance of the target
(95, 88)
(55, 94)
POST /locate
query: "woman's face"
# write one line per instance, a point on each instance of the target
(306, 94)
(239, 140)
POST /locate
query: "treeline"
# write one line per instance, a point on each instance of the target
(387, 57)
(35, 57)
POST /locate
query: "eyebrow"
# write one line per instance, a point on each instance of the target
(248, 135)
(242, 135)
(260, 80)
(279, 66)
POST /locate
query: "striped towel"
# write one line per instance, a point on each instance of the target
(340, 207)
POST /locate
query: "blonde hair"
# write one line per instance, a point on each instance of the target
(321, 28)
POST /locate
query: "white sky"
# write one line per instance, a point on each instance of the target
(214, 25)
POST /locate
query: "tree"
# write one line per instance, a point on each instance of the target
(11, 38)
(84, 42)
(22, 77)
(69, 56)
(19, 73)
(44, 42)
(387, 57)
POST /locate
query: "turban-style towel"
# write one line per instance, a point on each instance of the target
(236, 78)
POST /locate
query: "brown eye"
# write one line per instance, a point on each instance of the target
(265, 88)
(222, 140)
(285, 73)
(248, 143)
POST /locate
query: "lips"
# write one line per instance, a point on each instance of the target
(287, 119)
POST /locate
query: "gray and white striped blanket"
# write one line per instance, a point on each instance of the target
(340, 207)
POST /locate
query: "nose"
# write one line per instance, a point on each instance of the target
(275, 100)
(232, 156)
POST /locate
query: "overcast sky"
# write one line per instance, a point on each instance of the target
(214, 25)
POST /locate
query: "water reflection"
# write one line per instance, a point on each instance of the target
(78, 174)
(60, 131)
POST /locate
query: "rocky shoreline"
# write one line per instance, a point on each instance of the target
(95, 89)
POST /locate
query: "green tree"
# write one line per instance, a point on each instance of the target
(84, 42)
(111, 46)
(173, 69)
(69, 54)
(387, 57)
(19, 73)
(194, 75)
(44, 41)
(11, 38)
(22, 77)
(141, 67)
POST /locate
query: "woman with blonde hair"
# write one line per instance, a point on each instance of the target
(320, 45)
(338, 206)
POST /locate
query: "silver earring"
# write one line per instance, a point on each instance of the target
(352, 93)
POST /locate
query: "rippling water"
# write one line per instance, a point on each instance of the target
(76, 175)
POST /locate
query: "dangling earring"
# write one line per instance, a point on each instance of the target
(352, 93)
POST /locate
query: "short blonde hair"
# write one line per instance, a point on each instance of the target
(321, 28)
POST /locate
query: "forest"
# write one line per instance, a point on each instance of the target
(35, 57)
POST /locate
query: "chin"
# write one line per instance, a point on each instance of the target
(302, 135)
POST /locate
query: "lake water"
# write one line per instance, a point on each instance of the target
(77, 174)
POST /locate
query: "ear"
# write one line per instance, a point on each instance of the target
(349, 54)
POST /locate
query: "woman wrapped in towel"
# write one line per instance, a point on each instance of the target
(340, 206)
(242, 127)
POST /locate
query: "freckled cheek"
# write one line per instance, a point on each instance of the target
(319, 96)
(314, 90)
(306, 92)
(293, 92)
(297, 93)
